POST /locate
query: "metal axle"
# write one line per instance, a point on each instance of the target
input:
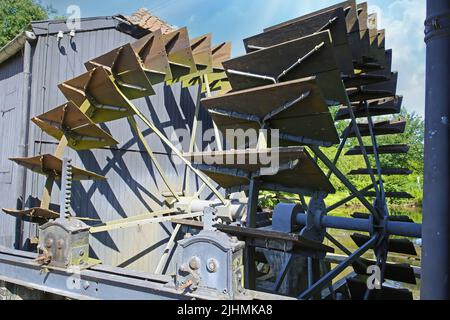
(393, 228)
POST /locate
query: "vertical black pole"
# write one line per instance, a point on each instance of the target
(436, 223)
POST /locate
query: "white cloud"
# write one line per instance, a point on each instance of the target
(403, 21)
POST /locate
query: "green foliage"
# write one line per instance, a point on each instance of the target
(16, 15)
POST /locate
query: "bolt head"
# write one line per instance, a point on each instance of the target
(212, 265)
(48, 243)
(194, 263)
(60, 243)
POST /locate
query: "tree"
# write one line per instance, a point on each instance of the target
(15, 16)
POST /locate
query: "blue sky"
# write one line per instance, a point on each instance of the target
(234, 20)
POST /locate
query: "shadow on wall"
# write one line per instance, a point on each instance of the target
(180, 116)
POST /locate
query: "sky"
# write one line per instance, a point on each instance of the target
(234, 20)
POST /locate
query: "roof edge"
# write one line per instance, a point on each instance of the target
(51, 27)
(15, 45)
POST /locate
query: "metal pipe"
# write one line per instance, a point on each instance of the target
(436, 218)
(300, 61)
(256, 48)
(328, 24)
(404, 229)
(286, 106)
(24, 130)
(252, 75)
(150, 220)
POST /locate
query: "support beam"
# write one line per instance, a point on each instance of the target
(163, 261)
(99, 282)
(343, 179)
(328, 278)
(149, 220)
(96, 283)
(250, 251)
(193, 136)
(284, 270)
(178, 153)
(347, 199)
(152, 156)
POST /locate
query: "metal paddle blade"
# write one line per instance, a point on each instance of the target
(379, 129)
(387, 149)
(48, 164)
(127, 69)
(152, 51)
(375, 67)
(380, 90)
(179, 52)
(358, 289)
(308, 56)
(202, 52)
(364, 79)
(98, 89)
(81, 133)
(220, 54)
(378, 107)
(218, 80)
(297, 172)
(349, 8)
(332, 20)
(376, 40)
(395, 272)
(403, 246)
(364, 36)
(297, 108)
(36, 215)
